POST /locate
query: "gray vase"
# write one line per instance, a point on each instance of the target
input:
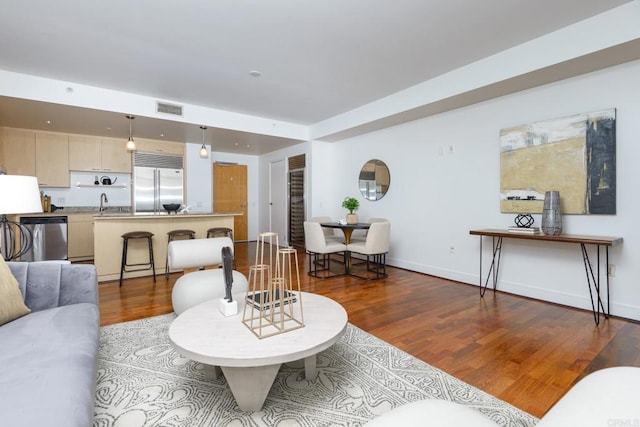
(552, 214)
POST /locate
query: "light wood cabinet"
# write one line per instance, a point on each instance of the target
(115, 157)
(93, 154)
(84, 153)
(18, 151)
(162, 147)
(80, 237)
(52, 159)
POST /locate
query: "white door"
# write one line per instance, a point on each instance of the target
(278, 200)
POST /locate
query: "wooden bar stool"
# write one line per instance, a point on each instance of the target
(125, 244)
(220, 232)
(173, 235)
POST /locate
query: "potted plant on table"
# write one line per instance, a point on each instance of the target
(352, 204)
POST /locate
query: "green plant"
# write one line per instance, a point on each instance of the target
(351, 203)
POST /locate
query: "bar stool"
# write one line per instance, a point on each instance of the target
(220, 232)
(125, 244)
(173, 235)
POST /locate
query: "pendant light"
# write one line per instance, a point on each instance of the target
(131, 146)
(203, 150)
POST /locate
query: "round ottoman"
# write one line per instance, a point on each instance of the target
(200, 286)
(434, 413)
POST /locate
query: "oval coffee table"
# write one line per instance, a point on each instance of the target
(250, 364)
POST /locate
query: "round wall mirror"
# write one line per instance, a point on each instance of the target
(374, 179)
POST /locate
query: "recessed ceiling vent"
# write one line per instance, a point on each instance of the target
(163, 107)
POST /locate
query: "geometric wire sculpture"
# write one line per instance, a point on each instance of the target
(273, 303)
(523, 220)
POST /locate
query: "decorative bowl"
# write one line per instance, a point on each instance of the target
(171, 207)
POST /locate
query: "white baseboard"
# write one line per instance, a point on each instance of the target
(580, 301)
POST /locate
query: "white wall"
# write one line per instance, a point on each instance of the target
(437, 195)
(198, 190)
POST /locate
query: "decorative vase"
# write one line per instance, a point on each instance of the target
(352, 218)
(552, 214)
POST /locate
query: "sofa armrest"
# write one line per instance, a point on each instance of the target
(46, 284)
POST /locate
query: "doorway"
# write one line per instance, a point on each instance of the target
(230, 195)
(287, 200)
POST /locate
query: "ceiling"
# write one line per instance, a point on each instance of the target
(316, 60)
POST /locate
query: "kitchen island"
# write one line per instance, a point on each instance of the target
(109, 228)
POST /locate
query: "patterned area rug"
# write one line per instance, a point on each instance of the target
(142, 381)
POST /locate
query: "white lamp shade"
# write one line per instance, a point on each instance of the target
(19, 194)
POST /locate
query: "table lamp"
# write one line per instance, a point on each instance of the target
(18, 195)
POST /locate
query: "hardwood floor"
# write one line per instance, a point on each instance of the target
(523, 351)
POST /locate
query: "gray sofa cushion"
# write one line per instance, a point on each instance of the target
(51, 284)
(42, 351)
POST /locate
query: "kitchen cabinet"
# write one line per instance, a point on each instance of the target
(80, 236)
(162, 147)
(40, 154)
(115, 157)
(18, 151)
(52, 159)
(92, 154)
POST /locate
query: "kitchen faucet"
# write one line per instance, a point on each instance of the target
(103, 200)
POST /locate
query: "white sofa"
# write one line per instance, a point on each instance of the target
(608, 397)
(199, 286)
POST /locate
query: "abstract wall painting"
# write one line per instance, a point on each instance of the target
(574, 155)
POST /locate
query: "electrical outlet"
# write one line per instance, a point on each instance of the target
(611, 270)
(452, 249)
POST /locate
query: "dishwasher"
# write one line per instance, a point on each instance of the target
(49, 234)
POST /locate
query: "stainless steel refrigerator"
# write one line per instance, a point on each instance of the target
(158, 180)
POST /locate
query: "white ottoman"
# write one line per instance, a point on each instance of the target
(432, 412)
(200, 286)
(608, 397)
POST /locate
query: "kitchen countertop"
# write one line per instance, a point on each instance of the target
(82, 210)
(128, 216)
(121, 212)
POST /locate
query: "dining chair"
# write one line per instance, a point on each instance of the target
(329, 233)
(319, 250)
(375, 248)
(361, 235)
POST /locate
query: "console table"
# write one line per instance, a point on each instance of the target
(593, 279)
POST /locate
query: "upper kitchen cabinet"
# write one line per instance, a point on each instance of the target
(162, 147)
(52, 159)
(18, 151)
(40, 154)
(92, 154)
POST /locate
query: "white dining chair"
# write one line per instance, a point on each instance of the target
(375, 248)
(331, 234)
(319, 250)
(361, 235)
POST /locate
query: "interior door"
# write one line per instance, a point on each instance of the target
(230, 195)
(278, 201)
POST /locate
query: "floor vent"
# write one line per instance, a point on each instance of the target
(163, 107)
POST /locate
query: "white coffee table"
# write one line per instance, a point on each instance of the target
(250, 364)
